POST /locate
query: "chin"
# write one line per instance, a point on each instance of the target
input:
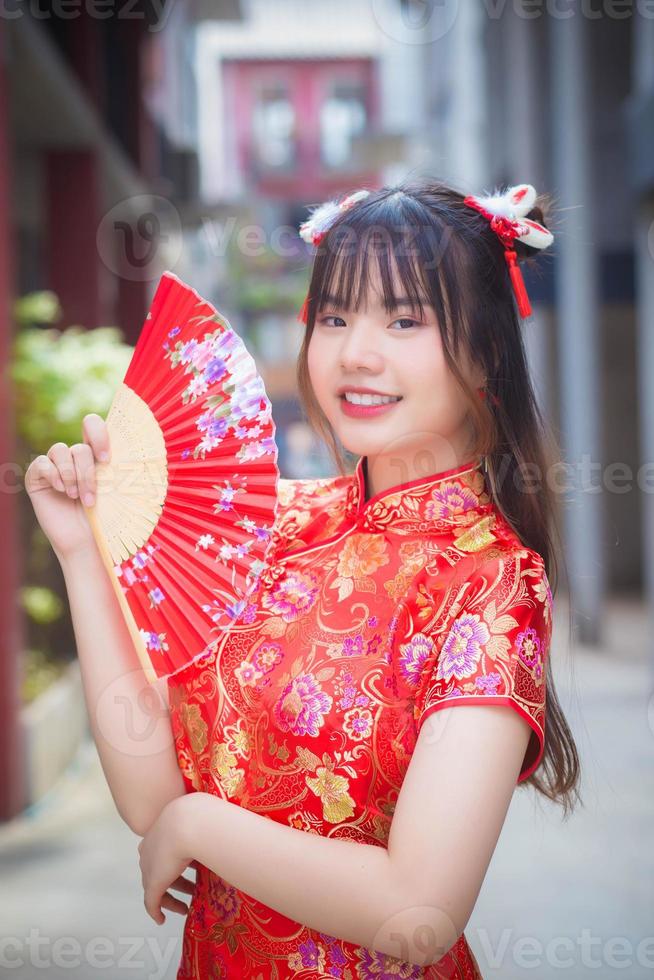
(362, 446)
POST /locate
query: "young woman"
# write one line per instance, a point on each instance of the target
(348, 752)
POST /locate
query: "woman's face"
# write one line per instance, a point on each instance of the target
(400, 353)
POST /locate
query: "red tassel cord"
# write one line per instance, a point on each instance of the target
(518, 283)
(482, 394)
(304, 312)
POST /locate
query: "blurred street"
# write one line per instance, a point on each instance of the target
(72, 902)
(212, 139)
(557, 896)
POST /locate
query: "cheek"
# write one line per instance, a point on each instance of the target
(311, 360)
(438, 393)
(316, 364)
(425, 368)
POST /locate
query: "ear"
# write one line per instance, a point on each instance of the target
(535, 234)
(521, 198)
(515, 201)
(479, 376)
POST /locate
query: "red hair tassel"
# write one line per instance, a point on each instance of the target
(304, 312)
(518, 283)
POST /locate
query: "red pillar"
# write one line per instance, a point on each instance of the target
(132, 306)
(12, 771)
(85, 51)
(73, 214)
(140, 128)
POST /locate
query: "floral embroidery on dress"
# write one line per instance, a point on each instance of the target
(369, 615)
(462, 648)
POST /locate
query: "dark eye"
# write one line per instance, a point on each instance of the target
(334, 317)
(406, 319)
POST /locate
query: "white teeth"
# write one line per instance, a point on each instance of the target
(358, 399)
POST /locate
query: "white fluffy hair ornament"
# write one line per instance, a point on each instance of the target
(314, 229)
(506, 211)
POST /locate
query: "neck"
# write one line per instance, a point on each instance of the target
(385, 472)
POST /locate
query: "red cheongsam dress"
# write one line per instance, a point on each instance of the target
(370, 615)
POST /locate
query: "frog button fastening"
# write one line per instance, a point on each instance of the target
(352, 501)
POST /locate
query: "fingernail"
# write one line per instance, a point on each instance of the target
(104, 457)
(88, 499)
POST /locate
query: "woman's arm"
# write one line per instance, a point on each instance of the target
(412, 900)
(129, 718)
(340, 887)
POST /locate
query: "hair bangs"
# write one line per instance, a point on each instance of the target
(376, 251)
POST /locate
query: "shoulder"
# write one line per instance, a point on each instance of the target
(506, 592)
(306, 490)
(490, 644)
(310, 494)
(510, 578)
(504, 610)
(307, 506)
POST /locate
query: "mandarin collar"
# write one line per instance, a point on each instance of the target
(457, 495)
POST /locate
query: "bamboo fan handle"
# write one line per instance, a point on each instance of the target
(137, 639)
(125, 515)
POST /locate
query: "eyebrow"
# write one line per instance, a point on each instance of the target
(400, 301)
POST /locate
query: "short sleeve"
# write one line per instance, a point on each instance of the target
(188, 725)
(493, 647)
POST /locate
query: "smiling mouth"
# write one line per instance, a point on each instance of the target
(392, 398)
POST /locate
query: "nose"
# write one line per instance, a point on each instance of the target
(360, 348)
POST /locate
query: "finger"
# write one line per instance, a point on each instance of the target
(85, 470)
(52, 474)
(166, 901)
(59, 453)
(42, 474)
(169, 901)
(183, 884)
(96, 435)
(153, 909)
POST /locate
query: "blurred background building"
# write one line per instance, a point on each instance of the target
(98, 162)
(193, 135)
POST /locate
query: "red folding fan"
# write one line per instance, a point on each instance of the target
(185, 506)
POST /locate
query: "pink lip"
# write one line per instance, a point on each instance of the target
(364, 411)
(361, 391)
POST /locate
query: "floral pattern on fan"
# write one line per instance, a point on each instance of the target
(208, 360)
(192, 427)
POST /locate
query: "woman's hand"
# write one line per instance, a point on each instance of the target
(162, 859)
(64, 479)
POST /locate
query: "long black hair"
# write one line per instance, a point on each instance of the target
(444, 254)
